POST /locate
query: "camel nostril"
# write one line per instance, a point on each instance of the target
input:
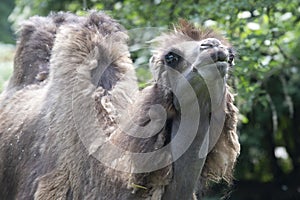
(206, 46)
(209, 43)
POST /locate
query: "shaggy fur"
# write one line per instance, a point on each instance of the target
(46, 121)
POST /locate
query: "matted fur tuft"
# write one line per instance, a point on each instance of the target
(221, 160)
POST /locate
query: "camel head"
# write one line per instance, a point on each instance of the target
(189, 50)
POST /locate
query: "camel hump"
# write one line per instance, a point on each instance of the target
(33, 51)
(34, 46)
(95, 48)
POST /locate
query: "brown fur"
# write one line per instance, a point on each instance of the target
(43, 155)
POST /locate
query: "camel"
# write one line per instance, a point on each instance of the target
(74, 125)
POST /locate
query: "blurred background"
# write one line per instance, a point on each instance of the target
(266, 78)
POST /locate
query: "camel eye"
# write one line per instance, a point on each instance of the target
(172, 59)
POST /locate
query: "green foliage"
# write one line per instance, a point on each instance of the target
(6, 64)
(266, 36)
(6, 34)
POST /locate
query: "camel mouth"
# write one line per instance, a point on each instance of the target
(222, 67)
